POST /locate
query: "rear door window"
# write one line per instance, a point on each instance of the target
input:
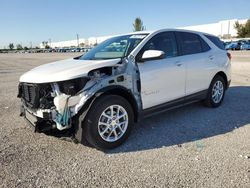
(191, 43)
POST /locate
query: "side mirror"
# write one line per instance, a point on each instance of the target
(152, 55)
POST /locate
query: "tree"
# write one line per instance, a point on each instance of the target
(138, 25)
(26, 48)
(82, 44)
(11, 46)
(243, 30)
(47, 46)
(19, 47)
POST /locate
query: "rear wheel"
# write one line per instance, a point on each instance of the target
(216, 92)
(108, 122)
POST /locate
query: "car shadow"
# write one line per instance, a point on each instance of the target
(190, 123)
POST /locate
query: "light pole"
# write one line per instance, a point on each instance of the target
(77, 38)
(50, 43)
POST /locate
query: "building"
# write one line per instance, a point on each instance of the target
(68, 43)
(92, 41)
(224, 29)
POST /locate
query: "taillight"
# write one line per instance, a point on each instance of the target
(229, 56)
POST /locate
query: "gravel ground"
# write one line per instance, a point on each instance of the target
(193, 146)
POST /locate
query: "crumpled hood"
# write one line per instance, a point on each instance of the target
(64, 70)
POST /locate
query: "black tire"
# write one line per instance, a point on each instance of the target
(90, 130)
(209, 100)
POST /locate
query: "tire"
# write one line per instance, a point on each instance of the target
(97, 121)
(217, 85)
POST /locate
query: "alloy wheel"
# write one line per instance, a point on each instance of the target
(113, 123)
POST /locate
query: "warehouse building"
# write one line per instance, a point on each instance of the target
(224, 29)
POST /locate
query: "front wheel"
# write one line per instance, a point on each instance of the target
(108, 122)
(216, 92)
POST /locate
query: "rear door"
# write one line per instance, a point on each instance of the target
(198, 59)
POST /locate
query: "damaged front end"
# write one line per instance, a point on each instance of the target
(54, 105)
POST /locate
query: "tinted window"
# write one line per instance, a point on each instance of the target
(191, 43)
(216, 41)
(204, 45)
(165, 42)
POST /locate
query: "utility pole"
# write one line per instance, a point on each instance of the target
(228, 32)
(77, 38)
(50, 43)
(221, 32)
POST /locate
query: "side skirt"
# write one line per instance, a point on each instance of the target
(174, 104)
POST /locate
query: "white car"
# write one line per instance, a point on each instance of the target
(98, 96)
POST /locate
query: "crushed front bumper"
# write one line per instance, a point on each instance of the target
(38, 124)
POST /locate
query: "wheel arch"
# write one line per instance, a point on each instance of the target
(224, 76)
(123, 92)
(115, 90)
(111, 90)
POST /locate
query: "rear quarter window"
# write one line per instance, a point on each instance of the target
(216, 41)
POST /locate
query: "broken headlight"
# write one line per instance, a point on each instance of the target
(72, 87)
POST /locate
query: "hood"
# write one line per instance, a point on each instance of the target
(64, 70)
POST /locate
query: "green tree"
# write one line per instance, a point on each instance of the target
(138, 25)
(19, 47)
(26, 48)
(82, 44)
(11, 46)
(47, 46)
(243, 30)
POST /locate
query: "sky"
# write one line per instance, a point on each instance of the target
(34, 21)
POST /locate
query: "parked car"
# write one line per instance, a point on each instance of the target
(75, 49)
(245, 46)
(101, 94)
(84, 50)
(63, 50)
(226, 43)
(233, 46)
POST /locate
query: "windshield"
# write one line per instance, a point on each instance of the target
(116, 47)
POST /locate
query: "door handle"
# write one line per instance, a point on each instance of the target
(178, 63)
(211, 57)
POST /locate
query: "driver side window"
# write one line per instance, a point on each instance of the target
(164, 42)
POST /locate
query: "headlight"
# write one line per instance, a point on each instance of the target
(72, 87)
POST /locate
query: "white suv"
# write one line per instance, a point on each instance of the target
(99, 95)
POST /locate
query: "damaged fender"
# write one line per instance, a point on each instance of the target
(124, 74)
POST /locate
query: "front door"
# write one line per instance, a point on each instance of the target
(162, 80)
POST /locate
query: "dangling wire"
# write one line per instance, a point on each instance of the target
(65, 118)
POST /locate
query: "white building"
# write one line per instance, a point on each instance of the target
(223, 29)
(68, 43)
(74, 43)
